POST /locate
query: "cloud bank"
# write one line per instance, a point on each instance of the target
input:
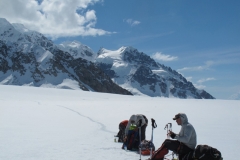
(54, 18)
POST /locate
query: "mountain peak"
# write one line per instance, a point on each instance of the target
(126, 49)
(78, 50)
(3, 21)
(73, 44)
(118, 51)
(5, 25)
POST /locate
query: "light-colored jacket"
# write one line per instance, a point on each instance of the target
(136, 119)
(187, 134)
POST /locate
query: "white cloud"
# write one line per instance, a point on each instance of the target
(205, 80)
(199, 86)
(206, 66)
(132, 22)
(162, 57)
(55, 18)
(135, 23)
(189, 78)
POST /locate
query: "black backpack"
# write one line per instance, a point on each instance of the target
(204, 152)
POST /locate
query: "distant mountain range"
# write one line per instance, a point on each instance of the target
(235, 96)
(29, 58)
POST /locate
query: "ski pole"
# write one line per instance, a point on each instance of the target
(139, 127)
(154, 125)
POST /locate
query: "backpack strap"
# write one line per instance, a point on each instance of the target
(198, 157)
(187, 158)
(145, 118)
(202, 156)
(194, 153)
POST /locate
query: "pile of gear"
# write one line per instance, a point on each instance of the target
(132, 135)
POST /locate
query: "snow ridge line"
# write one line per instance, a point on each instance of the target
(103, 127)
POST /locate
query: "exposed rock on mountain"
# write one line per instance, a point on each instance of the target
(29, 58)
(140, 74)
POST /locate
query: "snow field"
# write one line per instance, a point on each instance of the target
(59, 124)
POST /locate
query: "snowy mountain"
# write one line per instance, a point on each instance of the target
(141, 75)
(78, 50)
(29, 58)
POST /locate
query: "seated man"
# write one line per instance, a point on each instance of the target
(185, 141)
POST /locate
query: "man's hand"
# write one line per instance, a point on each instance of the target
(172, 134)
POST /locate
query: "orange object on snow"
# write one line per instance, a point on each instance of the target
(146, 152)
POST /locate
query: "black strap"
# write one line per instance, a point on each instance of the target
(139, 123)
(146, 120)
(154, 125)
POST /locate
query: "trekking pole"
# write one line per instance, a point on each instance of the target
(166, 128)
(173, 153)
(168, 125)
(154, 125)
(139, 127)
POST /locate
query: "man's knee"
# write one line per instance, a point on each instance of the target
(171, 144)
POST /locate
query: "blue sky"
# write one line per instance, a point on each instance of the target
(198, 38)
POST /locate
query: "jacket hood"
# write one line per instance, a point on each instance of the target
(184, 118)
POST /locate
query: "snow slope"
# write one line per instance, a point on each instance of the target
(58, 124)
